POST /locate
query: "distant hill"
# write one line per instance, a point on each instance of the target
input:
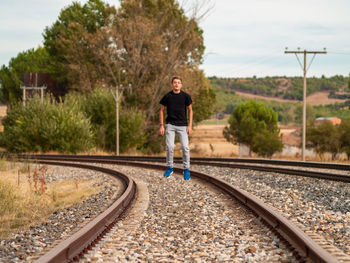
(329, 97)
(286, 88)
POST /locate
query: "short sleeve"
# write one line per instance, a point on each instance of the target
(188, 100)
(163, 101)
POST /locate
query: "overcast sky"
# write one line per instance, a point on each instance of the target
(242, 38)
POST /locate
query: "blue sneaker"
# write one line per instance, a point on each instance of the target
(187, 174)
(169, 170)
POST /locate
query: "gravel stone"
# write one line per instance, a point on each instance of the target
(188, 221)
(319, 206)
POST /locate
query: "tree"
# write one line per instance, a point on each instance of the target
(159, 41)
(324, 138)
(144, 44)
(200, 89)
(150, 41)
(66, 42)
(345, 136)
(248, 120)
(10, 91)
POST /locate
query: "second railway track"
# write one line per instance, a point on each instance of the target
(329, 171)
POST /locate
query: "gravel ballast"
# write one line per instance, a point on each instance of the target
(188, 221)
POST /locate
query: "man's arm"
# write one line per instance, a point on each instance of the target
(161, 120)
(190, 114)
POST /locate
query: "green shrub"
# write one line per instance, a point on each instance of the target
(46, 126)
(131, 134)
(78, 124)
(99, 106)
(267, 143)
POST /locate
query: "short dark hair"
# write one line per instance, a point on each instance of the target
(176, 77)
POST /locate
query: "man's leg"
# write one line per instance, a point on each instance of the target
(170, 145)
(184, 146)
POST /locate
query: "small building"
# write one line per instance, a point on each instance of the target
(31, 79)
(333, 120)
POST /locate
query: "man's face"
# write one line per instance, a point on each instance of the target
(177, 85)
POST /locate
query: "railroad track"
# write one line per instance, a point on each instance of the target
(306, 248)
(78, 244)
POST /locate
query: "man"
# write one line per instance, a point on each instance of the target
(177, 103)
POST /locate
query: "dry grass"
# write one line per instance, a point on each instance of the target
(208, 141)
(321, 98)
(26, 198)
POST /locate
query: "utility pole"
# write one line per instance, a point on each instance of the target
(117, 119)
(117, 97)
(305, 69)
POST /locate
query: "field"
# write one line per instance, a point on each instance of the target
(207, 140)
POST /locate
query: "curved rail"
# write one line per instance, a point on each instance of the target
(72, 247)
(303, 244)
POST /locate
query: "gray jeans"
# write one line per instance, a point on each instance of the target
(170, 145)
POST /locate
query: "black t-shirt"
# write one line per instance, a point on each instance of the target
(176, 105)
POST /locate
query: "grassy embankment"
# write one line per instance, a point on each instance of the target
(26, 198)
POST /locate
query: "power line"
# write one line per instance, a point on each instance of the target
(253, 62)
(339, 53)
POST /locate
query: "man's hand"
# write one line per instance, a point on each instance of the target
(189, 130)
(190, 113)
(161, 120)
(161, 130)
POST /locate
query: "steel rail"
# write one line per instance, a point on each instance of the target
(335, 166)
(74, 246)
(304, 173)
(303, 244)
(217, 163)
